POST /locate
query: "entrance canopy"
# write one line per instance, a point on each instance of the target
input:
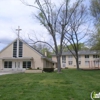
(17, 58)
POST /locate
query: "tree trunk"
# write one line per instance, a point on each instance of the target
(77, 63)
(58, 64)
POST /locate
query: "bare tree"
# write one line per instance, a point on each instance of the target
(58, 22)
(43, 48)
(76, 32)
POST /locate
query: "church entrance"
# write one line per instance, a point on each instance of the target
(17, 65)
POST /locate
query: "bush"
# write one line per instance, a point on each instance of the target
(48, 69)
(38, 68)
(29, 68)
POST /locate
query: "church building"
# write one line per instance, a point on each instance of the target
(19, 55)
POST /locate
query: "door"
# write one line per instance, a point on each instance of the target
(17, 65)
(96, 64)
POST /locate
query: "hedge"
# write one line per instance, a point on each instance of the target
(48, 69)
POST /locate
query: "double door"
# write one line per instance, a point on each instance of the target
(17, 65)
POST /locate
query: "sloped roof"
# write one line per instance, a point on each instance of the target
(32, 47)
(24, 43)
(48, 59)
(8, 45)
(81, 52)
(42, 56)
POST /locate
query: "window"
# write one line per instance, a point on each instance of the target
(70, 62)
(10, 64)
(20, 48)
(96, 62)
(26, 64)
(15, 49)
(7, 64)
(86, 56)
(63, 59)
(79, 62)
(95, 56)
(87, 62)
(64, 65)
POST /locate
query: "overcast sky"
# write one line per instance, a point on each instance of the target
(13, 14)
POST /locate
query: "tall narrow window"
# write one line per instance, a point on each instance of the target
(63, 59)
(79, 62)
(28, 64)
(20, 49)
(15, 49)
(24, 64)
(5, 64)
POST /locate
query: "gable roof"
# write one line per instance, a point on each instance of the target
(25, 44)
(8, 45)
(42, 56)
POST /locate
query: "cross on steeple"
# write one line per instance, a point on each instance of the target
(18, 30)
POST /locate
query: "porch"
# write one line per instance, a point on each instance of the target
(16, 64)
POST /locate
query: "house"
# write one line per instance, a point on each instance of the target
(19, 55)
(87, 59)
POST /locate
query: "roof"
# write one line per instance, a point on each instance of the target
(32, 47)
(42, 56)
(81, 52)
(18, 58)
(7, 46)
(24, 43)
(48, 59)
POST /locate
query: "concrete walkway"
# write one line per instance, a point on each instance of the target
(4, 72)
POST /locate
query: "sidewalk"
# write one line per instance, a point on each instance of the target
(3, 72)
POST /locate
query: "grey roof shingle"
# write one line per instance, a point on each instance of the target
(82, 52)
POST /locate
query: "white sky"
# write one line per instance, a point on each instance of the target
(13, 14)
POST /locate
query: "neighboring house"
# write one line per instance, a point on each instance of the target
(19, 55)
(87, 59)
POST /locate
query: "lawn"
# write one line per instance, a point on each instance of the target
(69, 85)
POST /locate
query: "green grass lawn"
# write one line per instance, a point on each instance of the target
(69, 85)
